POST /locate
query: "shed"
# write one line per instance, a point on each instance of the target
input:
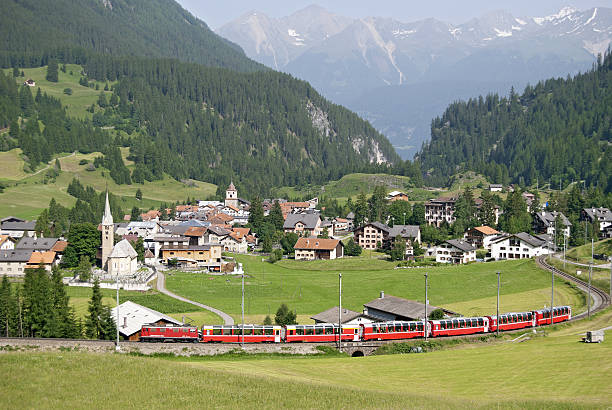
(393, 308)
(133, 316)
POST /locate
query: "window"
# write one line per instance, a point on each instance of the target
(227, 331)
(258, 331)
(480, 322)
(319, 330)
(419, 326)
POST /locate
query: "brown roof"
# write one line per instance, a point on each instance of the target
(242, 231)
(487, 230)
(152, 214)
(196, 231)
(316, 244)
(222, 217)
(148, 254)
(4, 238)
(60, 246)
(341, 220)
(45, 258)
(186, 208)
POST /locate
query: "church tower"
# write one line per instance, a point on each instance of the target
(108, 232)
(231, 196)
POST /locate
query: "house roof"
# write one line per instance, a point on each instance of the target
(331, 315)
(523, 236)
(405, 231)
(196, 231)
(341, 220)
(548, 218)
(152, 214)
(38, 258)
(135, 316)
(601, 214)
(60, 246)
(222, 217)
(43, 244)
(123, 249)
(11, 219)
(4, 238)
(242, 231)
(15, 255)
(309, 220)
(486, 230)
(142, 225)
(401, 307)
(217, 230)
(19, 226)
(204, 247)
(461, 244)
(318, 244)
(166, 238)
(148, 254)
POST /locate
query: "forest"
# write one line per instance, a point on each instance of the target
(556, 132)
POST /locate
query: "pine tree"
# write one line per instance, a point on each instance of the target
(108, 330)
(361, 210)
(52, 74)
(8, 307)
(256, 217)
(84, 268)
(276, 216)
(93, 322)
(139, 194)
(15, 72)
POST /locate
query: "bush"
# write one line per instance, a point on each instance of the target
(68, 91)
(436, 314)
(284, 316)
(352, 249)
(481, 253)
(83, 162)
(275, 256)
(90, 167)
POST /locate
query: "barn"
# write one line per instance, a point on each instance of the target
(133, 316)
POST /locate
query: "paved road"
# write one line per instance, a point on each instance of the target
(161, 286)
(586, 265)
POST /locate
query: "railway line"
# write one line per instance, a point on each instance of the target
(601, 299)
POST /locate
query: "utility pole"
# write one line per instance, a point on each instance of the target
(590, 273)
(242, 332)
(611, 276)
(426, 302)
(117, 348)
(339, 312)
(497, 317)
(404, 218)
(552, 295)
(564, 248)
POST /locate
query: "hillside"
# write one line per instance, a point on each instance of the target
(556, 131)
(32, 31)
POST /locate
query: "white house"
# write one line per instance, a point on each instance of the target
(602, 215)
(519, 246)
(455, 251)
(544, 222)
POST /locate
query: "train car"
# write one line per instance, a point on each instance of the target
(393, 330)
(151, 333)
(321, 332)
(511, 321)
(459, 326)
(560, 314)
(233, 334)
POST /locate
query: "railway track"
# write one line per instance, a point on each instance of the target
(600, 298)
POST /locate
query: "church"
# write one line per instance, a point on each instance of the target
(120, 259)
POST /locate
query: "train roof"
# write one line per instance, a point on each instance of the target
(459, 318)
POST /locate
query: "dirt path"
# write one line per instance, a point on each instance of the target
(52, 162)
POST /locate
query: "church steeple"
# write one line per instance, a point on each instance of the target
(108, 232)
(107, 219)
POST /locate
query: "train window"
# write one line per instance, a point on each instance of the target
(299, 330)
(227, 331)
(319, 330)
(480, 322)
(474, 322)
(216, 331)
(455, 324)
(309, 331)
(419, 326)
(329, 330)
(258, 331)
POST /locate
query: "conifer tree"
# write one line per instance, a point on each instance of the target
(52, 74)
(93, 322)
(276, 216)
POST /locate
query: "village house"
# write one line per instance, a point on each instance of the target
(13, 262)
(397, 196)
(30, 83)
(198, 235)
(529, 198)
(602, 216)
(496, 187)
(17, 228)
(45, 260)
(341, 225)
(132, 317)
(328, 225)
(440, 210)
(306, 224)
(221, 219)
(519, 246)
(7, 243)
(234, 242)
(375, 234)
(216, 234)
(152, 215)
(142, 229)
(348, 317)
(318, 248)
(455, 251)
(480, 236)
(387, 308)
(207, 255)
(544, 222)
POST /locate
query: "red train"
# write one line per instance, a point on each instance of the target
(328, 332)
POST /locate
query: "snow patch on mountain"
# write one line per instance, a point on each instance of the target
(521, 22)
(455, 32)
(592, 17)
(562, 14)
(297, 38)
(501, 33)
(399, 33)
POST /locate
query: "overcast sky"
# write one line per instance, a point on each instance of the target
(217, 13)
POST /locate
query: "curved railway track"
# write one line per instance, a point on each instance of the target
(600, 298)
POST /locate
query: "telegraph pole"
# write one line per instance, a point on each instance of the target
(339, 312)
(242, 332)
(426, 302)
(590, 273)
(497, 317)
(564, 248)
(552, 295)
(117, 348)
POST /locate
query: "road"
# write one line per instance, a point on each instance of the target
(161, 286)
(586, 265)
(52, 162)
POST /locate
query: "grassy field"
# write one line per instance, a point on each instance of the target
(81, 98)
(582, 253)
(538, 373)
(308, 289)
(39, 194)
(600, 278)
(80, 297)
(11, 165)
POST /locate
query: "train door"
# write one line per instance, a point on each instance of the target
(356, 334)
(277, 335)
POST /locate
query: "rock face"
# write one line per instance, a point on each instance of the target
(423, 65)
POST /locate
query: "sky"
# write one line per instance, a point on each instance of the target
(217, 13)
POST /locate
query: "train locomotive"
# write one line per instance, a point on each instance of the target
(328, 332)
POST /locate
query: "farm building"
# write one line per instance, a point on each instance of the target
(133, 316)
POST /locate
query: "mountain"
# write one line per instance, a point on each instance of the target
(260, 127)
(33, 30)
(372, 64)
(558, 131)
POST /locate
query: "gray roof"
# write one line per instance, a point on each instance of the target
(19, 226)
(350, 215)
(176, 229)
(461, 244)
(137, 316)
(548, 218)
(195, 222)
(165, 238)
(123, 250)
(531, 240)
(601, 214)
(217, 230)
(143, 224)
(331, 315)
(405, 231)
(309, 220)
(15, 255)
(11, 219)
(403, 308)
(36, 244)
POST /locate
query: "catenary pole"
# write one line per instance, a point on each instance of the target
(497, 317)
(340, 312)
(117, 348)
(426, 303)
(590, 273)
(552, 294)
(242, 332)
